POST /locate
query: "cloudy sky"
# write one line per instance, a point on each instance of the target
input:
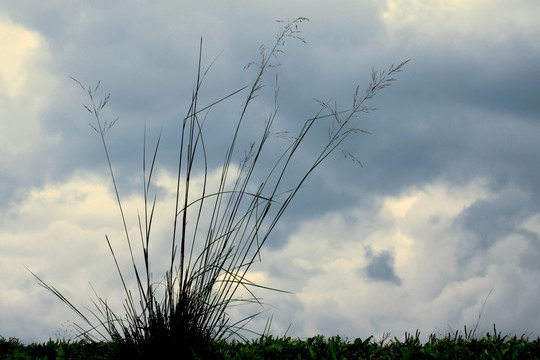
(443, 217)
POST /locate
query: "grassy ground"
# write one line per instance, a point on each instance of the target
(452, 346)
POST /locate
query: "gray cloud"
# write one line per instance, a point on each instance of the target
(381, 267)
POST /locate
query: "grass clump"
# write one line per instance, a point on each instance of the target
(217, 234)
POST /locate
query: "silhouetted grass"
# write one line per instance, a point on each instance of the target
(217, 234)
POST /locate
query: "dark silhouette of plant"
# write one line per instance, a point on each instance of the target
(199, 287)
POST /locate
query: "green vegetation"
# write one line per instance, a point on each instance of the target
(453, 346)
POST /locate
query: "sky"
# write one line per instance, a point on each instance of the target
(438, 229)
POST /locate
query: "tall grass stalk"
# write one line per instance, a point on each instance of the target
(209, 259)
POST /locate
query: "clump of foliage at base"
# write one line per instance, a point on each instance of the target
(452, 346)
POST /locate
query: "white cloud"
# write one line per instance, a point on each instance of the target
(483, 18)
(26, 89)
(58, 232)
(324, 265)
(23, 45)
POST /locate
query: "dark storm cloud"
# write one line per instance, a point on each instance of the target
(447, 117)
(116, 51)
(148, 74)
(381, 267)
(492, 220)
(529, 259)
(487, 222)
(420, 133)
(506, 83)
